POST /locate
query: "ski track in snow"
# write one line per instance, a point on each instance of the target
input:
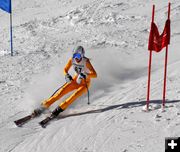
(115, 35)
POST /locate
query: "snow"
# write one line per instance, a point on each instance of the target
(115, 35)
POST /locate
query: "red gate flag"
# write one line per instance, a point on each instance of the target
(156, 41)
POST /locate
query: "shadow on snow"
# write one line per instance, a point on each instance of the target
(118, 107)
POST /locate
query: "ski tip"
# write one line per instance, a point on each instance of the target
(45, 122)
(42, 125)
(17, 124)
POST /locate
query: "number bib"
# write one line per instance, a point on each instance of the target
(80, 67)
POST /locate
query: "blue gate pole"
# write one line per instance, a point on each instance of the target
(11, 35)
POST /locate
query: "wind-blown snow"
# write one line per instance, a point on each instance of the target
(115, 35)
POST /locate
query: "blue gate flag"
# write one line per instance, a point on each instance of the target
(5, 5)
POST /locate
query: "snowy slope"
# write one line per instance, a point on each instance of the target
(114, 34)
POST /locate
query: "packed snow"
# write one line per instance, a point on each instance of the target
(115, 36)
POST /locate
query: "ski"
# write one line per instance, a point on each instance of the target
(46, 121)
(22, 121)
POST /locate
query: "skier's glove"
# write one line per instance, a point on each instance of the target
(68, 77)
(82, 76)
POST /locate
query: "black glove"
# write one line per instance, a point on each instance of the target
(83, 76)
(68, 77)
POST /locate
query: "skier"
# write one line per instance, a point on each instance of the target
(80, 82)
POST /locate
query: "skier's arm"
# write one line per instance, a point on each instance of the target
(92, 73)
(68, 66)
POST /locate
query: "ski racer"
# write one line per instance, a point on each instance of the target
(80, 82)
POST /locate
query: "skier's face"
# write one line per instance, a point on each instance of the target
(78, 60)
(77, 57)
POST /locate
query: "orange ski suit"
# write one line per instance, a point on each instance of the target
(73, 85)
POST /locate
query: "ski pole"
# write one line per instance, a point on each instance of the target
(58, 89)
(87, 92)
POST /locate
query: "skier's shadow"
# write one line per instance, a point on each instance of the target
(118, 107)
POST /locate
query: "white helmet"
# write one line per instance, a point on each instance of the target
(79, 50)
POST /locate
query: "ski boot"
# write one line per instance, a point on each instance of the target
(53, 115)
(56, 112)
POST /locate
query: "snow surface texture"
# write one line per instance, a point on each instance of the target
(115, 35)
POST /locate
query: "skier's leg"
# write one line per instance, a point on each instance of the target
(64, 90)
(74, 96)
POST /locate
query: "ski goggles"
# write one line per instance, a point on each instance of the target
(77, 56)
